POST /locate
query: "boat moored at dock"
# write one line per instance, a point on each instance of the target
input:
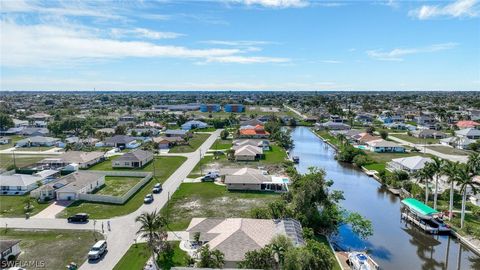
(361, 261)
(425, 217)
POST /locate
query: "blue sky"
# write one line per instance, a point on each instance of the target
(240, 45)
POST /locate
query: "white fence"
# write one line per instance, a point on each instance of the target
(118, 199)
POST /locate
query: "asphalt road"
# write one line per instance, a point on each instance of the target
(123, 229)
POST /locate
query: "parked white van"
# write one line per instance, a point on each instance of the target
(97, 250)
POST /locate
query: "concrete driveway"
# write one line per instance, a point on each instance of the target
(52, 210)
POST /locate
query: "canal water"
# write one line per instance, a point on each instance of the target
(394, 245)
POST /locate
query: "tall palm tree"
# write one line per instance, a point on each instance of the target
(436, 168)
(424, 175)
(450, 170)
(152, 228)
(474, 163)
(464, 180)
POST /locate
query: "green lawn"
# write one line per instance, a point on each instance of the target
(210, 200)
(13, 140)
(106, 165)
(177, 258)
(53, 248)
(415, 140)
(375, 167)
(449, 150)
(275, 155)
(13, 206)
(164, 167)
(386, 157)
(34, 148)
(6, 160)
(327, 136)
(208, 129)
(222, 144)
(138, 255)
(135, 258)
(118, 185)
(193, 144)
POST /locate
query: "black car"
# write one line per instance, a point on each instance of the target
(81, 217)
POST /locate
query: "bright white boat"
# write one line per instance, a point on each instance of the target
(361, 261)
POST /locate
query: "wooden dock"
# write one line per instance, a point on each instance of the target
(343, 258)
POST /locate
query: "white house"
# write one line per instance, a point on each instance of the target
(37, 141)
(194, 124)
(18, 184)
(408, 164)
(470, 133)
(384, 146)
(71, 186)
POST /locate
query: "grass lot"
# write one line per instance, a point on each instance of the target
(193, 144)
(415, 140)
(222, 144)
(327, 136)
(383, 158)
(276, 155)
(106, 165)
(208, 129)
(135, 258)
(118, 185)
(202, 166)
(34, 148)
(164, 167)
(13, 206)
(40, 245)
(210, 200)
(449, 150)
(138, 255)
(375, 167)
(6, 160)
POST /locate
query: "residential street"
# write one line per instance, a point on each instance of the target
(123, 229)
(462, 159)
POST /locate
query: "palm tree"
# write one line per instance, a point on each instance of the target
(464, 179)
(474, 163)
(450, 170)
(436, 168)
(152, 228)
(424, 175)
(341, 138)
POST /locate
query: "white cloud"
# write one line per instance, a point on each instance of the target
(275, 3)
(331, 61)
(42, 45)
(67, 8)
(397, 54)
(144, 33)
(237, 43)
(246, 59)
(457, 9)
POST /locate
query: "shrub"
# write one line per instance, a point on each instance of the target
(361, 160)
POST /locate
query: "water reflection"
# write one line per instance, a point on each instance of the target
(394, 245)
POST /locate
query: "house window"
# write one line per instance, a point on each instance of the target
(19, 187)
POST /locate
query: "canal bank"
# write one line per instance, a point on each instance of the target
(395, 244)
(403, 193)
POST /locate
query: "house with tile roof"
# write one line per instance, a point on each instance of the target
(467, 124)
(135, 159)
(256, 132)
(236, 236)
